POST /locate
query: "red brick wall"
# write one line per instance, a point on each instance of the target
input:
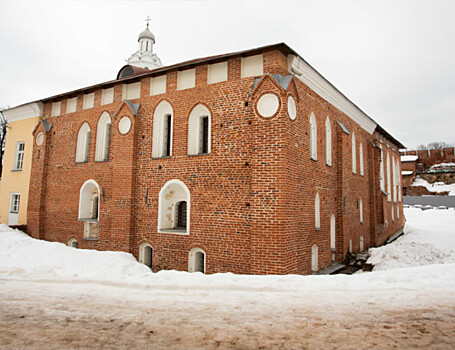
(252, 197)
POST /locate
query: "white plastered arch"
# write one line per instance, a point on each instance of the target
(173, 192)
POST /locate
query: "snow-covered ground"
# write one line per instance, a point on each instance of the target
(435, 187)
(53, 296)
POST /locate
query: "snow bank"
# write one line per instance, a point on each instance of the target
(24, 256)
(407, 172)
(436, 187)
(429, 238)
(441, 167)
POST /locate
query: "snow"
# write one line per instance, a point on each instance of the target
(442, 167)
(409, 158)
(93, 299)
(407, 172)
(429, 240)
(435, 187)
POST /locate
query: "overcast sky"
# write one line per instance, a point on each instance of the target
(393, 59)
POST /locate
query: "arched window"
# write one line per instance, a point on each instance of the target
(391, 209)
(174, 208)
(314, 258)
(89, 201)
(317, 213)
(332, 236)
(89, 208)
(361, 158)
(146, 254)
(73, 243)
(83, 143)
(362, 244)
(103, 137)
(328, 141)
(381, 170)
(196, 260)
(361, 211)
(394, 180)
(199, 125)
(389, 185)
(350, 245)
(162, 130)
(313, 138)
(354, 164)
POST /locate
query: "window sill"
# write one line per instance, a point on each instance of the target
(314, 159)
(174, 231)
(199, 154)
(102, 161)
(88, 220)
(84, 162)
(163, 157)
(16, 170)
(90, 239)
(318, 229)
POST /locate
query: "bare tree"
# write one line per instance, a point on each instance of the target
(435, 145)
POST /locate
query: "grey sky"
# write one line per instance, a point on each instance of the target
(394, 59)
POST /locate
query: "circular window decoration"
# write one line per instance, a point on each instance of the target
(268, 105)
(124, 125)
(292, 109)
(40, 138)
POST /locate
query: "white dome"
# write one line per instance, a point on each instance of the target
(146, 34)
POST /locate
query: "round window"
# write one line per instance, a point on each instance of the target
(124, 125)
(292, 109)
(268, 105)
(40, 138)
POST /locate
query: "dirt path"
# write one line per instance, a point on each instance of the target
(46, 318)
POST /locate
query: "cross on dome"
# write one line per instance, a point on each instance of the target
(144, 57)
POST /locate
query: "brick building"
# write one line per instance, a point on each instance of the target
(249, 162)
(432, 165)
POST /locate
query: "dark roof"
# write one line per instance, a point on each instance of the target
(129, 70)
(141, 72)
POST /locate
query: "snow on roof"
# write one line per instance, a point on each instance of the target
(407, 172)
(409, 158)
(442, 166)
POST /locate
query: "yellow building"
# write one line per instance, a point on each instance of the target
(17, 161)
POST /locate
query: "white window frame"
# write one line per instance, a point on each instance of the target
(83, 143)
(163, 109)
(19, 156)
(361, 159)
(313, 137)
(164, 204)
(15, 202)
(394, 180)
(194, 130)
(381, 170)
(354, 156)
(142, 257)
(73, 243)
(389, 185)
(317, 212)
(328, 141)
(191, 259)
(103, 137)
